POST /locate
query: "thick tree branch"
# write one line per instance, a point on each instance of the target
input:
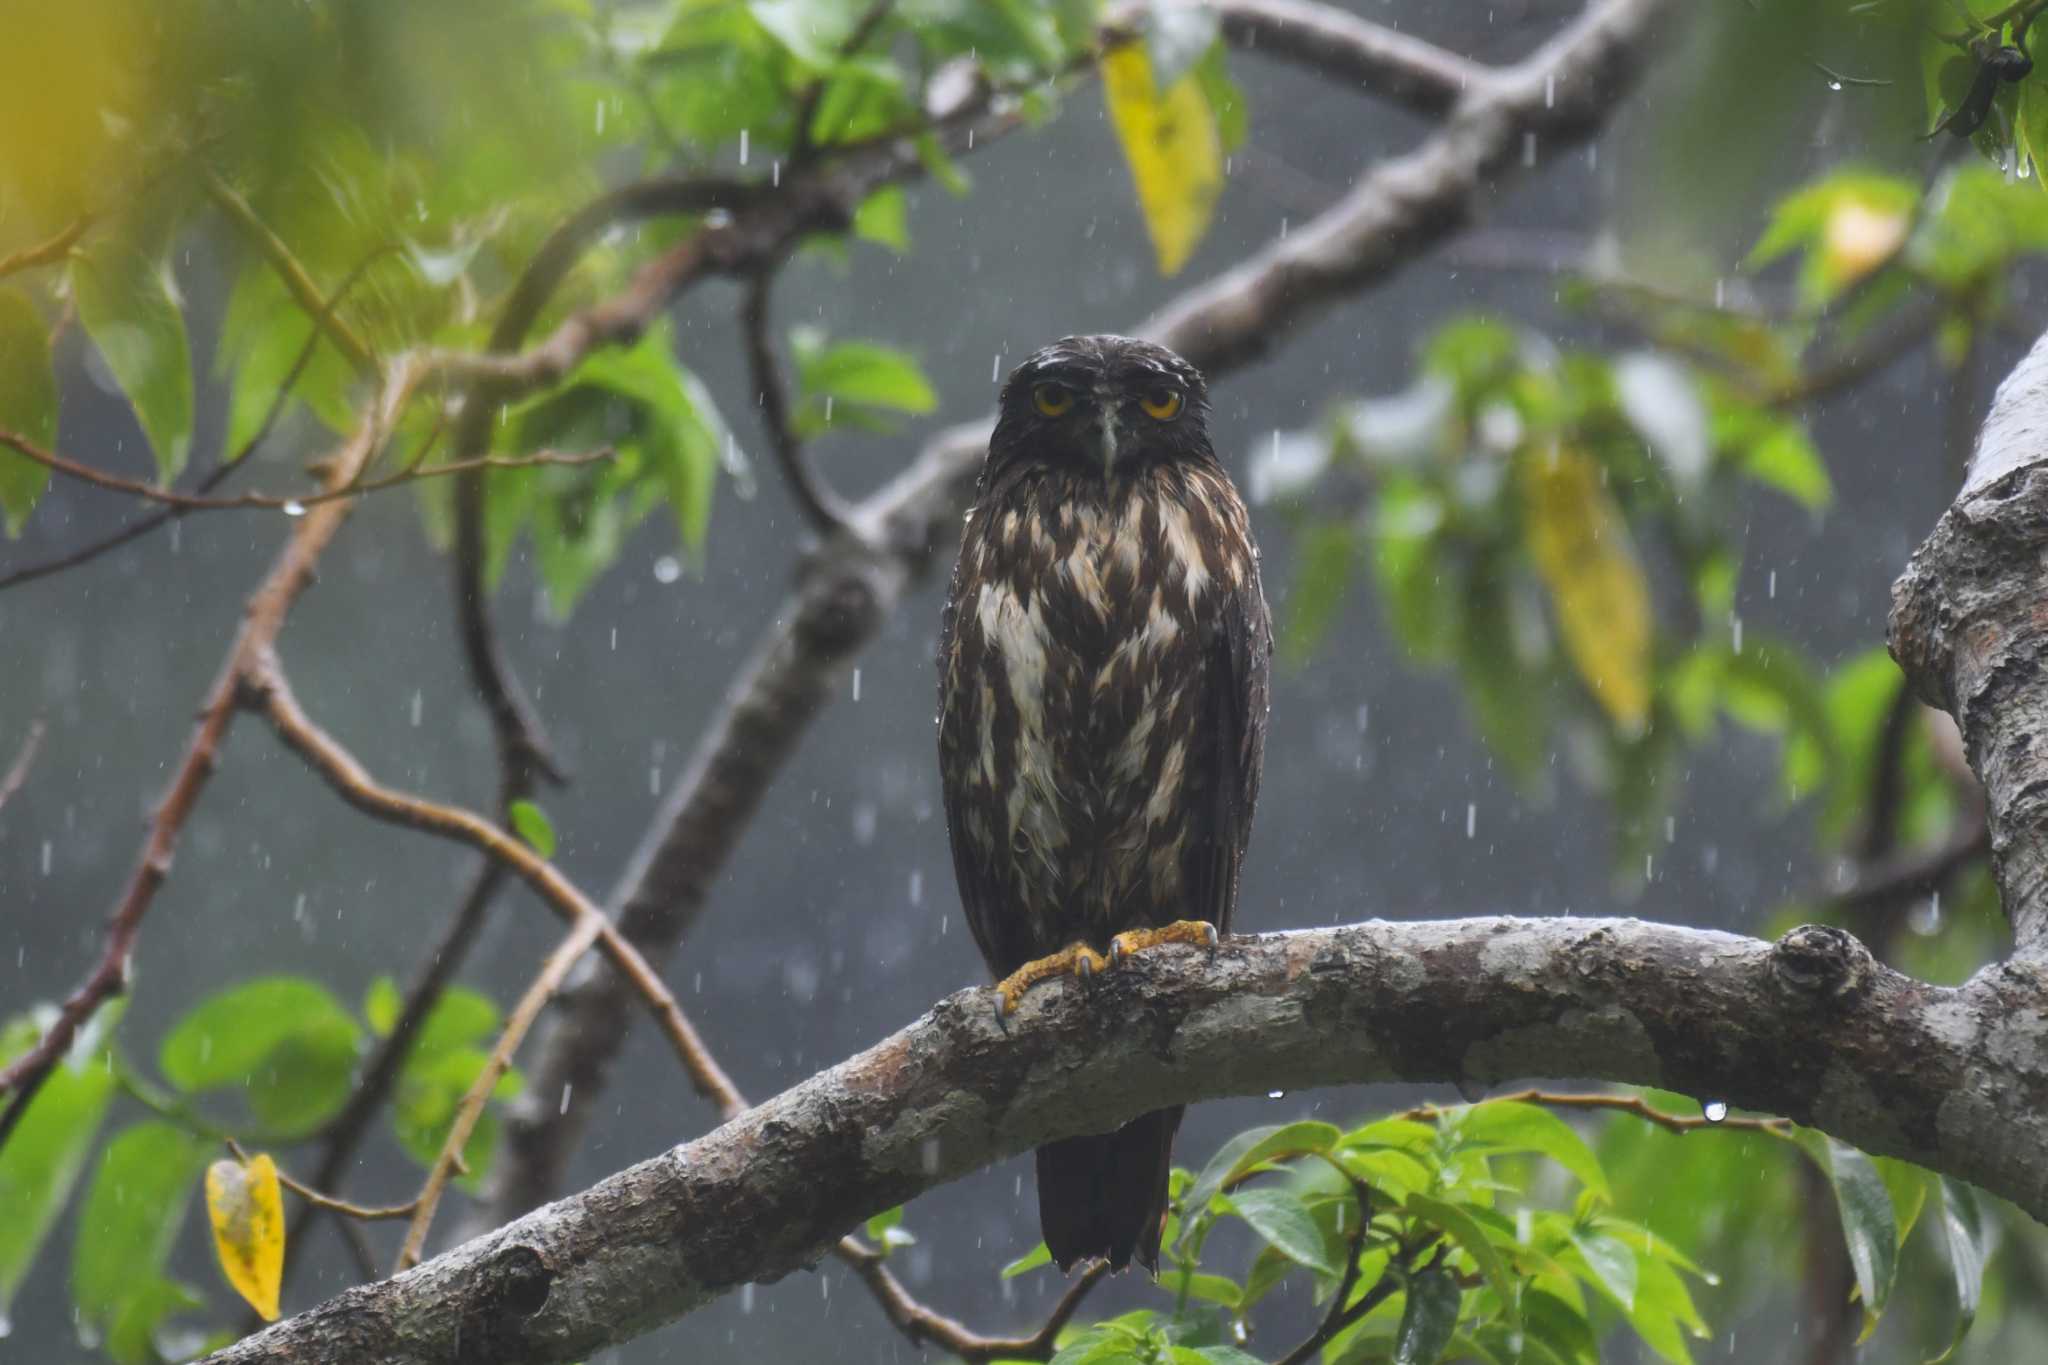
(1969, 624)
(1810, 1026)
(856, 580)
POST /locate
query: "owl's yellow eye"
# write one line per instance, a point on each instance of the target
(1162, 404)
(1053, 399)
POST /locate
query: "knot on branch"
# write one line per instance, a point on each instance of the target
(509, 1288)
(1822, 963)
(841, 608)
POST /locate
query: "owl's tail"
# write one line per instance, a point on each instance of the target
(1106, 1196)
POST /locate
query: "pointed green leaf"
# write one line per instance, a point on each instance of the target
(1512, 1126)
(1283, 1220)
(1868, 1224)
(533, 825)
(146, 1177)
(128, 307)
(46, 1151)
(1030, 1260)
(884, 218)
(226, 1037)
(28, 404)
(382, 1005)
(1428, 1318)
(1612, 1265)
(1471, 1238)
(1962, 1226)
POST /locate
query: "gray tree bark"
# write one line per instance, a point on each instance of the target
(1811, 1027)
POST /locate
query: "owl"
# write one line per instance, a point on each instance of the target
(1103, 670)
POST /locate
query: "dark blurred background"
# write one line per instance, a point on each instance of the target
(837, 920)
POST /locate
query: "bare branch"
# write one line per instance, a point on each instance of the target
(921, 1324)
(857, 580)
(1626, 1104)
(586, 931)
(1810, 1026)
(193, 502)
(821, 508)
(368, 1213)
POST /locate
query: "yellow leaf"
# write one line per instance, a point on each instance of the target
(1859, 237)
(1172, 145)
(247, 1210)
(1581, 546)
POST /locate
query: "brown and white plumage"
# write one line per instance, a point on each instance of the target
(1102, 707)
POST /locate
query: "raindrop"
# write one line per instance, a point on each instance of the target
(1670, 829)
(295, 508)
(746, 1298)
(1834, 84)
(46, 857)
(824, 1287)
(775, 173)
(563, 1108)
(1471, 818)
(418, 704)
(654, 780)
(828, 409)
(1720, 292)
(917, 888)
(600, 117)
(856, 684)
(1735, 632)
(1649, 867)
(1276, 1094)
(943, 921)
(1771, 585)
(995, 367)
(743, 146)
(1925, 918)
(667, 569)
(615, 638)
(1550, 92)
(1715, 1110)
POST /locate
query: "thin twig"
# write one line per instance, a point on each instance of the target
(1627, 1104)
(43, 253)
(588, 928)
(820, 506)
(368, 1213)
(24, 759)
(191, 502)
(921, 1324)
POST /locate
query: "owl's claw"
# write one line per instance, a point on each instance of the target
(1198, 932)
(1076, 959)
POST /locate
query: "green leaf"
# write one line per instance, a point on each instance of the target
(1906, 1184)
(45, 1153)
(1466, 1232)
(533, 825)
(1784, 458)
(858, 374)
(1283, 1220)
(126, 303)
(1964, 1230)
(28, 404)
(884, 218)
(305, 1079)
(1208, 1288)
(1559, 1327)
(1611, 1265)
(132, 1214)
(429, 1092)
(1330, 555)
(1428, 1319)
(382, 1005)
(224, 1039)
(1245, 1151)
(131, 1337)
(460, 1018)
(1868, 1223)
(1030, 1260)
(1226, 100)
(260, 340)
(1512, 1126)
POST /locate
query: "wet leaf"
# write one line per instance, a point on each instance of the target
(224, 1039)
(131, 1216)
(1173, 147)
(28, 405)
(1611, 1263)
(1963, 1229)
(1428, 1318)
(1284, 1221)
(127, 305)
(1516, 1127)
(46, 1151)
(1030, 1260)
(532, 824)
(1582, 550)
(245, 1204)
(1471, 1238)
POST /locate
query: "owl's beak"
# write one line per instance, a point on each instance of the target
(1111, 428)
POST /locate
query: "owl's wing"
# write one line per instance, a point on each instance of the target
(1236, 664)
(968, 801)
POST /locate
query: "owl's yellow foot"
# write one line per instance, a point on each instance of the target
(1076, 959)
(1199, 932)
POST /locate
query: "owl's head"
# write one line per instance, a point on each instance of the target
(1106, 404)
